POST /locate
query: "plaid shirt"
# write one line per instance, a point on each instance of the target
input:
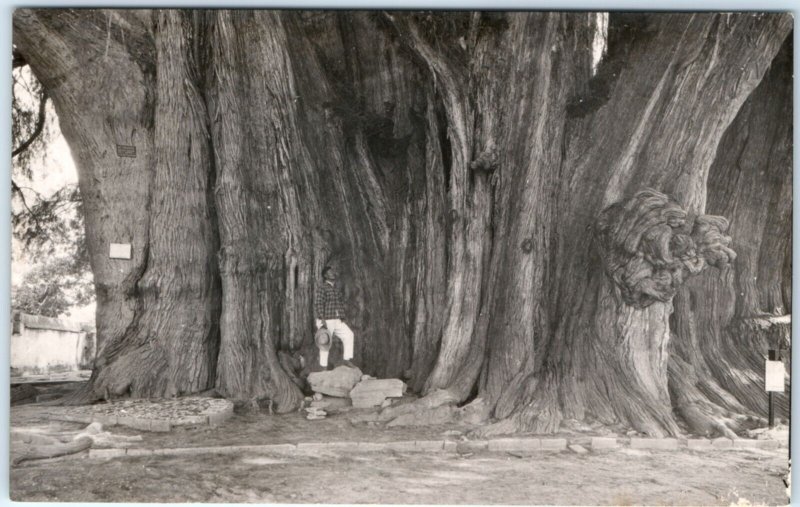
(328, 302)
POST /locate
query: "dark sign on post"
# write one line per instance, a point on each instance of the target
(126, 150)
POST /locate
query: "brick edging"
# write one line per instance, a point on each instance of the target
(462, 447)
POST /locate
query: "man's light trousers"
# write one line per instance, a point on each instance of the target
(338, 329)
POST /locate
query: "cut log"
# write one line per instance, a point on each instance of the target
(54, 450)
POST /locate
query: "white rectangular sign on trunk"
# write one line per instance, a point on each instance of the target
(120, 251)
(774, 377)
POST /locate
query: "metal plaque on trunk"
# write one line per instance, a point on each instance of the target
(120, 251)
(774, 377)
(126, 150)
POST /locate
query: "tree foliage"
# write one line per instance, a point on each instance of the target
(47, 225)
(52, 287)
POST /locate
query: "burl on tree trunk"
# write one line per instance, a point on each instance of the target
(647, 252)
(644, 249)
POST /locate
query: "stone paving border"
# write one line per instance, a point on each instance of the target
(451, 446)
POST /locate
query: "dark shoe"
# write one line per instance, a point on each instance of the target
(347, 363)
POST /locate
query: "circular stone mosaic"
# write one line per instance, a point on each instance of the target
(153, 415)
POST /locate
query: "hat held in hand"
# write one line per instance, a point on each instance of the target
(323, 339)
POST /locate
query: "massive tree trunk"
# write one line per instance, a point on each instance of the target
(477, 183)
(665, 80)
(725, 324)
(263, 235)
(121, 85)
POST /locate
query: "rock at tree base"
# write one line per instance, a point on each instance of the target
(372, 392)
(315, 413)
(337, 382)
(331, 404)
(476, 412)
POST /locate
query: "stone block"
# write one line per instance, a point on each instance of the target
(469, 446)
(407, 445)
(337, 382)
(722, 443)
(312, 446)
(746, 443)
(429, 445)
(515, 444)
(279, 448)
(192, 451)
(371, 446)
(659, 444)
(450, 446)
(141, 424)
(125, 420)
(341, 446)
(138, 452)
(189, 420)
(578, 449)
(768, 444)
(373, 392)
(699, 444)
(160, 425)
(554, 444)
(106, 453)
(604, 443)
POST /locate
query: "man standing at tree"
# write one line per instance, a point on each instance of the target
(329, 313)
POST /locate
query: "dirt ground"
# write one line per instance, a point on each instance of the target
(617, 477)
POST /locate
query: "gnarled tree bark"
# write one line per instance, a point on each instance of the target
(477, 184)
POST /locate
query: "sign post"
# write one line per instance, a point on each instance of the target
(773, 380)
